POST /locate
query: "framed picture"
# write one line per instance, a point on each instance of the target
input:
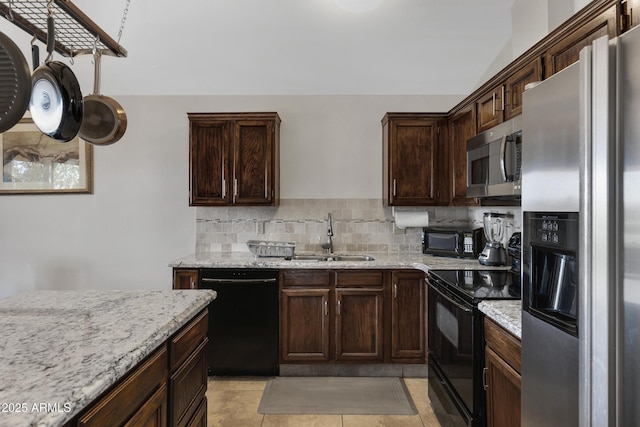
(34, 163)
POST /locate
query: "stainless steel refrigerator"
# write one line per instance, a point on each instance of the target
(581, 241)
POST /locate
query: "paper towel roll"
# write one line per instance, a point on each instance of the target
(406, 219)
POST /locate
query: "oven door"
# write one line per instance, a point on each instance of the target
(451, 349)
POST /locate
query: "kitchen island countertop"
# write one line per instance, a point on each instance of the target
(61, 349)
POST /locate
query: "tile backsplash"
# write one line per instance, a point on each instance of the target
(362, 225)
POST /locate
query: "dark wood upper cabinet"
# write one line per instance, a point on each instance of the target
(411, 150)
(490, 108)
(565, 48)
(462, 126)
(234, 159)
(514, 87)
(631, 10)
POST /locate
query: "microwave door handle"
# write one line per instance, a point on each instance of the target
(503, 153)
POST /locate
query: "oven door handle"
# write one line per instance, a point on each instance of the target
(452, 301)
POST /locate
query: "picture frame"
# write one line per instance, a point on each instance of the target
(33, 163)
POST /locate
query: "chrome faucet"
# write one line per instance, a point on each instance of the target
(329, 244)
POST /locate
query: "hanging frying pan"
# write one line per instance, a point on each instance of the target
(104, 119)
(15, 83)
(56, 99)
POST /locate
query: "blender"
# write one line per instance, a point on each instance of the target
(495, 227)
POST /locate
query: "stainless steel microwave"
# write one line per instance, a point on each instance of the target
(494, 160)
(457, 242)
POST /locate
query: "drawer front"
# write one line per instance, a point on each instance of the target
(187, 386)
(188, 338)
(121, 403)
(503, 343)
(315, 278)
(199, 418)
(153, 413)
(359, 278)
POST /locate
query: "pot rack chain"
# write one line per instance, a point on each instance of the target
(76, 33)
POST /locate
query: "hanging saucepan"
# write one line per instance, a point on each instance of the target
(15, 83)
(104, 119)
(56, 99)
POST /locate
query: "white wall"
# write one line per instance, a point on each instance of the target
(138, 219)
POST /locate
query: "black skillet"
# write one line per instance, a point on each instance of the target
(15, 83)
(56, 99)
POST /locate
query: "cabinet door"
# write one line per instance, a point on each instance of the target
(209, 144)
(567, 49)
(411, 169)
(359, 324)
(462, 126)
(502, 384)
(633, 13)
(490, 108)
(408, 315)
(515, 87)
(304, 324)
(253, 162)
(185, 278)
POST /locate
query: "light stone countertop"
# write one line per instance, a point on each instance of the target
(506, 313)
(381, 260)
(64, 348)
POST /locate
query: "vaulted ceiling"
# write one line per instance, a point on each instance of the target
(260, 47)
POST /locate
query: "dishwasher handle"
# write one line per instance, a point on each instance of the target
(232, 281)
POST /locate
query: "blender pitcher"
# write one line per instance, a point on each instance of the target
(495, 226)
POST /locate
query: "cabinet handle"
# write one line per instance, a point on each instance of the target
(395, 290)
(339, 304)
(394, 187)
(192, 284)
(326, 308)
(224, 184)
(485, 384)
(502, 98)
(493, 99)
(235, 187)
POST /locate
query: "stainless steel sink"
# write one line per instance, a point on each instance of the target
(309, 258)
(349, 258)
(353, 258)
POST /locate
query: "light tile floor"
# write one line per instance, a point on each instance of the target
(233, 402)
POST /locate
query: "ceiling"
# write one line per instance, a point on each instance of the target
(294, 47)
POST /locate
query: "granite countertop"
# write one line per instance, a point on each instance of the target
(61, 349)
(381, 260)
(506, 313)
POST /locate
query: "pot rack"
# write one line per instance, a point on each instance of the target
(76, 33)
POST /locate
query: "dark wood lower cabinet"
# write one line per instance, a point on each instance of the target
(502, 376)
(166, 389)
(359, 324)
(408, 315)
(344, 316)
(304, 324)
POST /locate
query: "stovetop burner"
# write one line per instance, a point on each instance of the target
(480, 284)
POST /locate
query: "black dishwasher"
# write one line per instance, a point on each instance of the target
(243, 321)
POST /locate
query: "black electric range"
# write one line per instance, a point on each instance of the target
(476, 285)
(455, 339)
